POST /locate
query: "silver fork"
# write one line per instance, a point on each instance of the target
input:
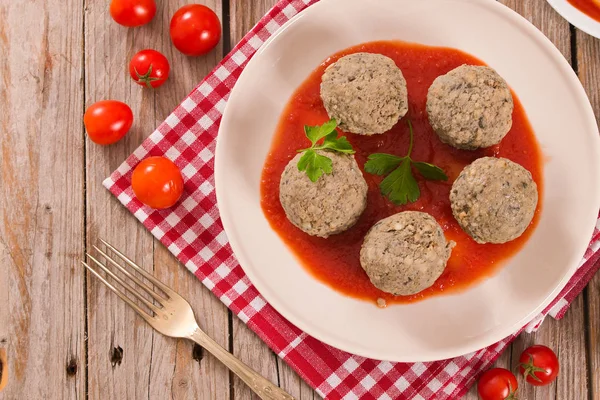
(172, 315)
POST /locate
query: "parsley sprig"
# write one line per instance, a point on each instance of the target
(400, 186)
(316, 164)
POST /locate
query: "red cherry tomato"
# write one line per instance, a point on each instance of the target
(195, 29)
(539, 365)
(107, 121)
(149, 68)
(132, 13)
(157, 182)
(497, 384)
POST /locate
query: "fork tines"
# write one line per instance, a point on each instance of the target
(152, 307)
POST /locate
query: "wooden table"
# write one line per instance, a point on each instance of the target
(66, 336)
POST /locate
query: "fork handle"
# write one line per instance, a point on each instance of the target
(260, 385)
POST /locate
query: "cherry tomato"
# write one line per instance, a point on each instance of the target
(107, 121)
(157, 182)
(195, 29)
(132, 13)
(497, 384)
(149, 68)
(539, 365)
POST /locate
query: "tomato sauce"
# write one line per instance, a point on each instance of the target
(335, 260)
(588, 7)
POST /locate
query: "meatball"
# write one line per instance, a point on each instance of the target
(470, 107)
(328, 206)
(494, 199)
(405, 253)
(366, 93)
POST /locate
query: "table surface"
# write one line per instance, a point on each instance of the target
(66, 336)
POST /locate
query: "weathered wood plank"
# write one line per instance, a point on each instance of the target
(41, 181)
(119, 342)
(293, 384)
(3, 368)
(567, 338)
(172, 373)
(198, 376)
(177, 371)
(588, 62)
(246, 345)
(254, 352)
(593, 339)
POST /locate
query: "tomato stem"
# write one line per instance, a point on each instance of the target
(410, 129)
(146, 78)
(529, 369)
(512, 393)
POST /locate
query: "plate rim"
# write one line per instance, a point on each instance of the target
(471, 346)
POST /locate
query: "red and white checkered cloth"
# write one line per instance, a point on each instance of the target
(192, 231)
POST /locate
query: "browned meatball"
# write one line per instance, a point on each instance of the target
(405, 253)
(470, 107)
(366, 93)
(494, 200)
(328, 206)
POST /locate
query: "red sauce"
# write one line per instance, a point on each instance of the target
(335, 261)
(589, 7)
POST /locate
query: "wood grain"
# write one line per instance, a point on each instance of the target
(41, 181)
(256, 354)
(566, 338)
(188, 372)
(169, 367)
(178, 372)
(262, 387)
(593, 335)
(588, 65)
(120, 343)
(3, 369)
(293, 384)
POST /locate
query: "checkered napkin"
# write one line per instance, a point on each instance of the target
(193, 232)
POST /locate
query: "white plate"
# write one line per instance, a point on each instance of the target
(578, 18)
(443, 326)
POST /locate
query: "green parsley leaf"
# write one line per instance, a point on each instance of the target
(400, 186)
(341, 144)
(314, 164)
(430, 171)
(316, 133)
(382, 164)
